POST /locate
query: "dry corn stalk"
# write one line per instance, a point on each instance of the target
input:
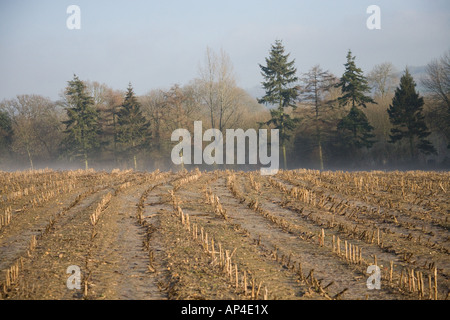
(100, 208)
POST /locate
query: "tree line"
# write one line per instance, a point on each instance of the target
(372, 121)
(357, 120)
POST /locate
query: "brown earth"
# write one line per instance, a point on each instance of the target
(138, 236)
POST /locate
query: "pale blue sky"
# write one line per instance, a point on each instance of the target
(155, 44)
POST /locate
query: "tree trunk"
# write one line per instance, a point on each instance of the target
(320, 155)
(182, 159)
(115, 138)
(86, 161)
(211, 107)
(134, 156)
(411, 147)
(283, 144)
(30, 158)
(319, 137)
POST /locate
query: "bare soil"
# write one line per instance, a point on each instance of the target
(147, 242)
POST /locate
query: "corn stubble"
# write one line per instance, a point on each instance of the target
(387, 219)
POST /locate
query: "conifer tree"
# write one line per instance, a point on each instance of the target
(355, 125)
(280, 91)
(133, 127)
(356, 129)
(82, 128)
(6, 134)
(405, 114)
(6, 131)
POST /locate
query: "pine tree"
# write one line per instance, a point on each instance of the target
(133, 128)
(82, 126)
(6, 132)
(405, 114)
(283, 122)
(280, 76)
(354, 85)
(5, 129)
(356, 130)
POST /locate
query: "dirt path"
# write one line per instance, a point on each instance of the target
(119, 259)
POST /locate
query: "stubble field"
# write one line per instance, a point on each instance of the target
(215, 235)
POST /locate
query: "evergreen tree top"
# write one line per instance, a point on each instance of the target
(405, 113)
(130, 98)
(279, 76)
(77, 95)
(130, 113)
(406, 105)
(75, 85)
(133, 128)
(407, 88)
(82, 127)
(353, 84)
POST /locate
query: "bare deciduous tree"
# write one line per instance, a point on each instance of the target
(383, 80)
(36, 126)
(317, 83)
(437, 80)
(217, 85)
(437, 84)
